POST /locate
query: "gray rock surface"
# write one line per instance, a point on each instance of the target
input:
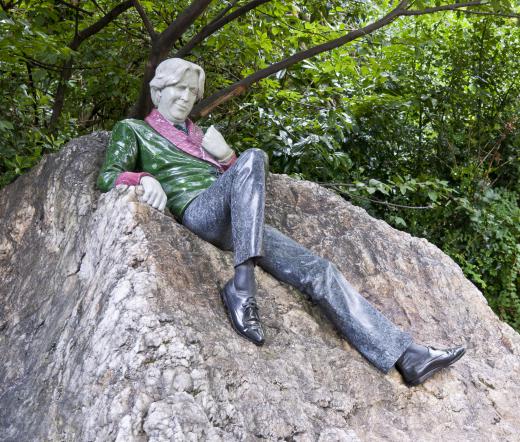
(112, 328)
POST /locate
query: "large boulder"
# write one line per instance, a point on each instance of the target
(112, 327)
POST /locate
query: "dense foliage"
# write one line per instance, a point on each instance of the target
(417, 122)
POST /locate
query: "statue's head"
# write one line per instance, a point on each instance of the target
(177, 85)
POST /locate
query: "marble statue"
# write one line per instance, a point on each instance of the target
(220, 197)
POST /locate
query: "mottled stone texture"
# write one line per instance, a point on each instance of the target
(112, 327)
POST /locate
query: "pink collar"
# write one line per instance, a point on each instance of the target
(169, 131)
(190, 143)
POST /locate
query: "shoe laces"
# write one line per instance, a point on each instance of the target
(251, 311)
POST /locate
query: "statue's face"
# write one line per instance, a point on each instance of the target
(177, 100)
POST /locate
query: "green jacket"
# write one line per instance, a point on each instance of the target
(135, 146)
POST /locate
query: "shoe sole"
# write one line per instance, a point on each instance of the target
(425, 376)
(258, 344)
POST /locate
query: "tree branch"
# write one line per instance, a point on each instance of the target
(147, 23)
(372, 200)
(205, 106)
(452, 7)
(100, 24)
(56, 67)
(183, 21)
(76, 24)
(224, 11)
(96, 4)
(218, 23)
(496, 14)
(76, 8)
(36, 63)
(33, 93)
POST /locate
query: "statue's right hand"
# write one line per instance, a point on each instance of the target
(153, 193)
(215, 144)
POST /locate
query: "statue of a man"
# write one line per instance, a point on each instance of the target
(221, 198)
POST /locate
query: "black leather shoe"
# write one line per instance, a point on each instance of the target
(243, 313)
(418, 362)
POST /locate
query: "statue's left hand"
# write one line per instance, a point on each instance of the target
(153, 193)
(214, 143)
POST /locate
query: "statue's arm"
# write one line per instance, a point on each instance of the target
(120, 162)
(120, 159)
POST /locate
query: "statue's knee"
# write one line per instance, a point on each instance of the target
(257, 154)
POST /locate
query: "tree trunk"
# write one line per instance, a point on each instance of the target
(59, 98)
(161, 47)
(144, 103)
(66, 71)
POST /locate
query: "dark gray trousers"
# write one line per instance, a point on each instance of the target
(230, 215)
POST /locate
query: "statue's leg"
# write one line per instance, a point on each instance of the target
(230, 214)
(373, 335)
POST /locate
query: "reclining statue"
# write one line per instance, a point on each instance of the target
(221, 199)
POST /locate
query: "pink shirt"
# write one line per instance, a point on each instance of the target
(190, 142)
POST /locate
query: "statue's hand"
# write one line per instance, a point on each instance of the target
(153, 193)
(214, 143)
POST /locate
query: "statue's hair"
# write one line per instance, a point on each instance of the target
(170, 71)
